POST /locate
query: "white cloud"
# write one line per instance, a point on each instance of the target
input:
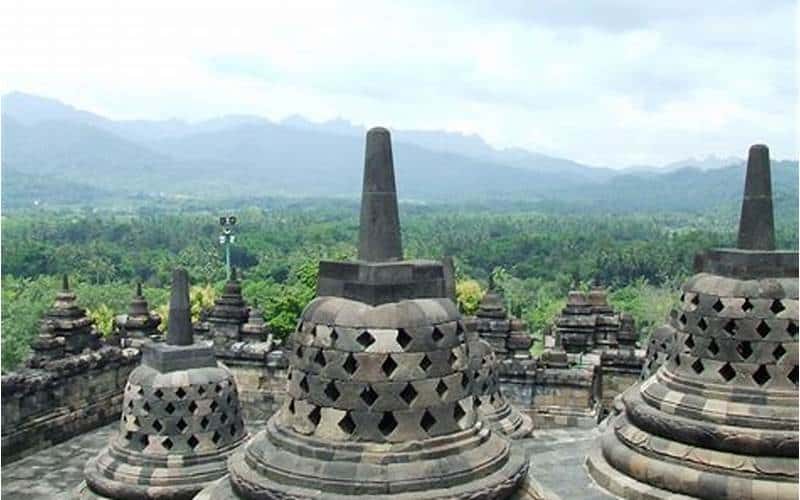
(623, 84)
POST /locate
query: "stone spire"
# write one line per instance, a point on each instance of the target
(379, 233)
(756, 226)
(180, 311)
(719, 417)
(140, 324)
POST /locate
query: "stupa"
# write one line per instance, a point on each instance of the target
(660, 345)
(380, 399)
(140, 324)
(719, 420)
(64, 330)
(507, 335)
(493, 408)
(180, 418)
(228, 314)
(576, 324)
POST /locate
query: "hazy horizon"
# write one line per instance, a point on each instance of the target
(618, 85)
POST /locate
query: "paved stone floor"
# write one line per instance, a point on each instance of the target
(556, 463)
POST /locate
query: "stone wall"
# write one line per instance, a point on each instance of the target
(66, 397)
(260, 378)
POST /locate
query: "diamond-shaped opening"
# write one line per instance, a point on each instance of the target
(192, 407)
(441, 388)
(698, 367)
(763, 329)
(791, 329)
(170, 408)
(346, 424)
(696, 299)
(744, 349)
(216, 438)
(130, 404)
(387, 424)
(408, 394)
(200, 390)
(683, 297)
(204, 422)
(158, 393)
(761, 376)
(320, 358)
(217, 388)
(437, 334)
(214, 405)
(678, 359)
(683, 319)
(182, 425)
(777, 306)
(331, 391)
(299, 352)
(233, 430)
(425, 363)
(702, 324)
(727, 372)
(427, 421)
(453, 358)
(334, 335)
(730, 327)
(223, 417)
(778, 352)
(304, 384)
(315, 416)
(157, 425)
(458, 412)
(180, 393)
(713, 348)
(128, 436)
(145, 440)
(167, 443)
(718, 306)
(747, 305)
(229, 399)
(689, 342)
(291, 406)
(464, 380)
(350, 364)
(365, 339)
(313, 331)
(793, 375)
(403, 338)
(389, 366)
(369, 396)
(478, 402)
(192, 441)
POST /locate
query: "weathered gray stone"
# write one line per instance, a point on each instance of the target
(719, 419)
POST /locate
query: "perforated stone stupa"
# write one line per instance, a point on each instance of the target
(180, 418)
(380, 398)
(719, 420)
(493, 408)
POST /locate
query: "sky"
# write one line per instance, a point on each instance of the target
(605, 82)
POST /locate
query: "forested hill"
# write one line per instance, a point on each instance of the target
(55, 155)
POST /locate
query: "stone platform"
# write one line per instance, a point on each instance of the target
(556, 461)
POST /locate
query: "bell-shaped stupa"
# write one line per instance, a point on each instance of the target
(719, 420)
(380, 398)
(180, 418)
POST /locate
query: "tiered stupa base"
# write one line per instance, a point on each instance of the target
(504, 418)
(474, 463)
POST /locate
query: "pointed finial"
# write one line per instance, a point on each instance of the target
(756, 225)
(65, 283)
(379, 232)
(180, 313)
(138, 288)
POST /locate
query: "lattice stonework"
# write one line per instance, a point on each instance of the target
(750, 342)
(379, 384)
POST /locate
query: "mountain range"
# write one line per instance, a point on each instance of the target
(53, 153)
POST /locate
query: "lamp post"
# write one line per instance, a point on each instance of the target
(226, 238)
